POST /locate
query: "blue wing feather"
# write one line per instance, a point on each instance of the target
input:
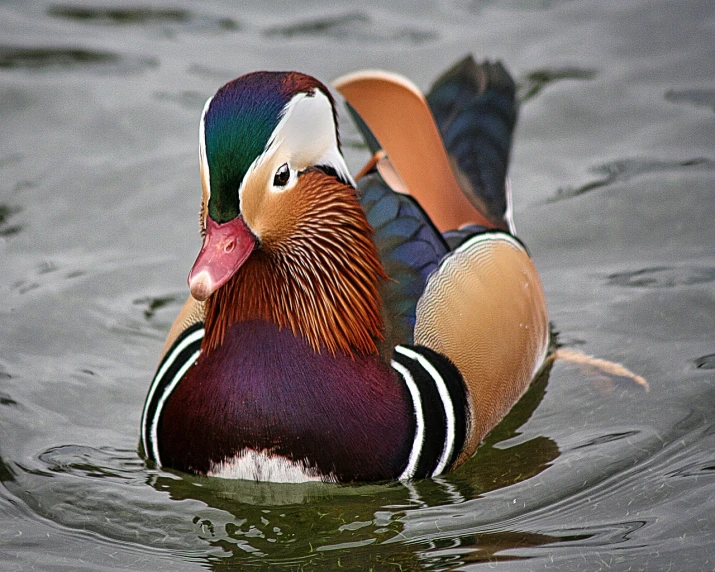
(475, 110)
(410, 249)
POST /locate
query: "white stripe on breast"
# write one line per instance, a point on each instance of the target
(418, 442)
(159, 406)
(197, 335)
(446, 404)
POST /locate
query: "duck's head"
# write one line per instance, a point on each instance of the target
(263, 137)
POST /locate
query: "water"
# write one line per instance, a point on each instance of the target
(612, 170)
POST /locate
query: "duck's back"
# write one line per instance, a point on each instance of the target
(471, 293)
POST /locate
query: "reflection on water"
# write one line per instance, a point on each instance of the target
(224, 523)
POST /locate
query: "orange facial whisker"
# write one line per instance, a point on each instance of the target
(319, 276)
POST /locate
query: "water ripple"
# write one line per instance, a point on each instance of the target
(662, 277)
(534, 82)
(50, 275)
(695, 469)
(152, 304)
(69, 58)
(6, 212)
(351, 26)
(705, 362)
(607, 438)
(489, 547)
(121, 16)
(479, 6)
(626, 169)
(142, 16)
(104, 462)
(187, 99)
(5, 399)
(110, 492)
(697, 97)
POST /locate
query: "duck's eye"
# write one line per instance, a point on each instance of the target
(282, 176)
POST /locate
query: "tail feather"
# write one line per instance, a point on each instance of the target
(395, 111)
(475, 108)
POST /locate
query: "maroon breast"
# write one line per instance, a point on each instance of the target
(266, 390)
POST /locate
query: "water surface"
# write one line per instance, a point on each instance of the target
(613, 176)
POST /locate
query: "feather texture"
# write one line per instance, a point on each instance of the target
(319, 276)
(349, 334)
(475, 108)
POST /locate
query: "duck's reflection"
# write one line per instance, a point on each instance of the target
(359, 526)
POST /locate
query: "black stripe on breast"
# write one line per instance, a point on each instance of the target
(433, 415)
(443, 407)
(183, 350)
(457, 392)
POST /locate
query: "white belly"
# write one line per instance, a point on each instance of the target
(263, 466)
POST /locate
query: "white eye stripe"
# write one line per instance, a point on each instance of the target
(202, 147)
(304, 137)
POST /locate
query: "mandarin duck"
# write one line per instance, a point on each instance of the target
(345, 332)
